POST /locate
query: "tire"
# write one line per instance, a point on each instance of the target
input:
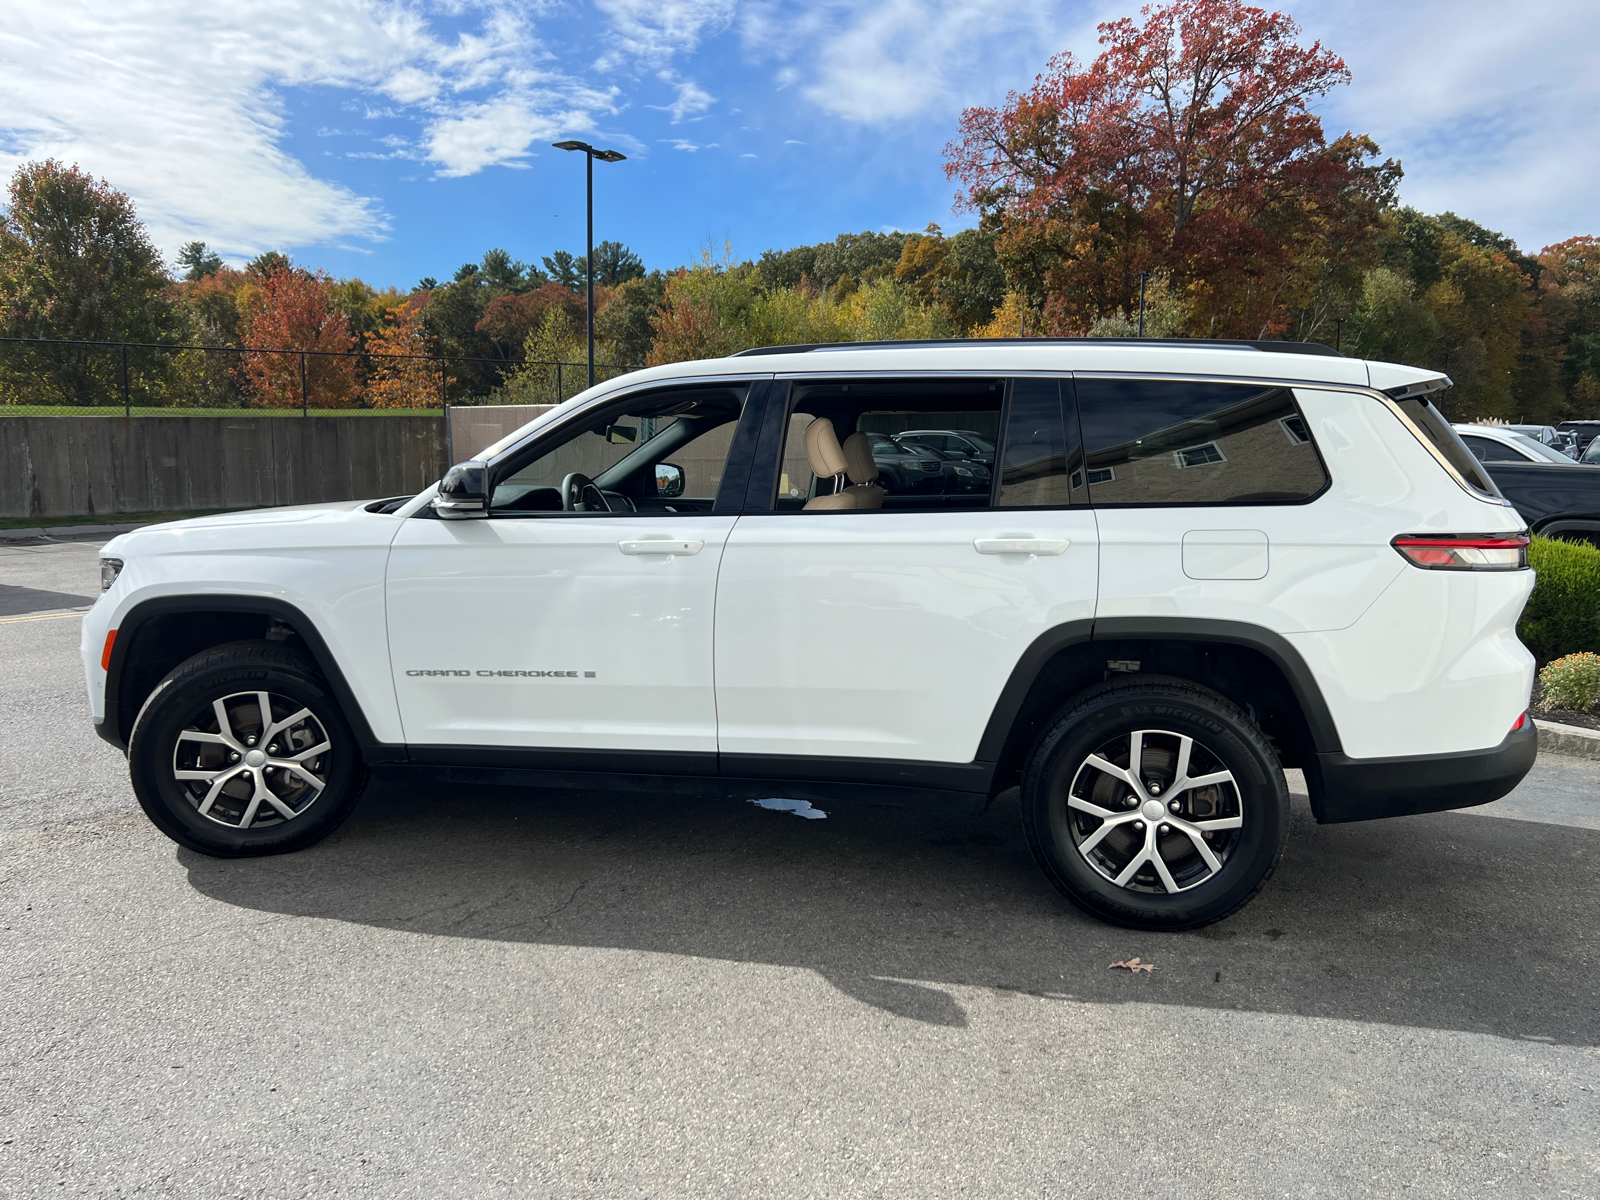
(235, 799)
(1240, 822)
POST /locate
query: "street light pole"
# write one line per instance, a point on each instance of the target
(590, 154)
(588, 260)
(1144, 277)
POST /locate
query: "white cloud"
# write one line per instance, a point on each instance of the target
(655, 30)
(1490, 109)
(899, 59)
(180, 103)
(692, 98)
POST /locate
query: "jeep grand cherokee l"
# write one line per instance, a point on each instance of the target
(1198, 564)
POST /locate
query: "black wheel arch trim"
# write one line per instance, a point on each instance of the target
(160, 606)
(1555, 526)
(1276, 648)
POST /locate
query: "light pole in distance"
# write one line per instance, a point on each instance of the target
(590, 154)
(1144, 278)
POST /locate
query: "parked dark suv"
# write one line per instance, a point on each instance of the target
(961, 444)
(903, 470)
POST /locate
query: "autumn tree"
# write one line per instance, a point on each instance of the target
(1571, 286)
(623, 324)
(1187, 147)
(553, 353)
(76, 263)
(508, 319)
(401, 373)
(293, 313)
(959, 274)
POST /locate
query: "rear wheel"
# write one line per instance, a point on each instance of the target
(1156, 804)
(242, 751)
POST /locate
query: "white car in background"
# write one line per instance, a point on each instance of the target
(1549, 435)
(1508, 443)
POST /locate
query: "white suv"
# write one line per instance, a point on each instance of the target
(1199, 563)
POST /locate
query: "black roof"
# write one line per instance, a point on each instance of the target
(1188, 343)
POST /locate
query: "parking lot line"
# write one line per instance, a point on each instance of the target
(54, 616)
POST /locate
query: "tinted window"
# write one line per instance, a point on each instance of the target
(1430, 422)
(1168, 442)
(1489, 450)
(903, 422)
(1041, 464)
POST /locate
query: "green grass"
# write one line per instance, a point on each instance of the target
(76, 410)
(150, 518)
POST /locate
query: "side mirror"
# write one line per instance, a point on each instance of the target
(669, 481)
(463, 492)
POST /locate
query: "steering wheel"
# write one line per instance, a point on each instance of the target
(579, 493)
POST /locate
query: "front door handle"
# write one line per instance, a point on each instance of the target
(660, 546)
(1021, 545)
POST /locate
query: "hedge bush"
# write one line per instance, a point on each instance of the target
(1563, 614)
(1571, 682)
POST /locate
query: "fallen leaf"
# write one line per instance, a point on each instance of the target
(1134, 965)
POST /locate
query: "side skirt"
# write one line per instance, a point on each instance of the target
(940, 787)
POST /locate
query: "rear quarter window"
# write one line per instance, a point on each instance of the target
(1431, 424)
(1183, 442)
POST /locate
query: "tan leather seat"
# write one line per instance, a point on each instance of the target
(831, 461)
(862, 470)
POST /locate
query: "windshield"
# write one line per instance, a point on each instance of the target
(1538, 449)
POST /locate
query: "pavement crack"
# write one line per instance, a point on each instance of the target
(565, 904)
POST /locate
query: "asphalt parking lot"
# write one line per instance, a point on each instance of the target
(488, 992)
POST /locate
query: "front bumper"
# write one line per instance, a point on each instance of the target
(1364, 789)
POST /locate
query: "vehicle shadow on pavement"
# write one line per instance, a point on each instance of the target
(1447, 921)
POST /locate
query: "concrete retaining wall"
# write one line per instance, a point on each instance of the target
(76, 466)
(475, 426)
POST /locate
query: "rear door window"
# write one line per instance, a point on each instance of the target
(1187, 442)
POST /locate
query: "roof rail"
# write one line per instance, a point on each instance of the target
(1187, 343)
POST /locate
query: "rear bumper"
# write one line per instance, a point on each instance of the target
(1364, 789)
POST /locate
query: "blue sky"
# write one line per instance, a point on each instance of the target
(398, 140)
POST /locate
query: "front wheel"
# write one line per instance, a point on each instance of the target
(242, 751)
(1156, 804)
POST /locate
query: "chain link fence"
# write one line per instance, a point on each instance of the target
(43, 377)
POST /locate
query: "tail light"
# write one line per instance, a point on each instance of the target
(1521, 721)
(1465, 551)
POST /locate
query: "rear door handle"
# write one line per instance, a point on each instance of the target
(660, 546)
(1023, 545)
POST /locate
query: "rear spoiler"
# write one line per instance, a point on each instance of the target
(1411, 391)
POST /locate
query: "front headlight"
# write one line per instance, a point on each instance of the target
(963, 471)
(110, 568)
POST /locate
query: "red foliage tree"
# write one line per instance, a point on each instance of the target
(291, 312)
(509, 319)
(1186, 147)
